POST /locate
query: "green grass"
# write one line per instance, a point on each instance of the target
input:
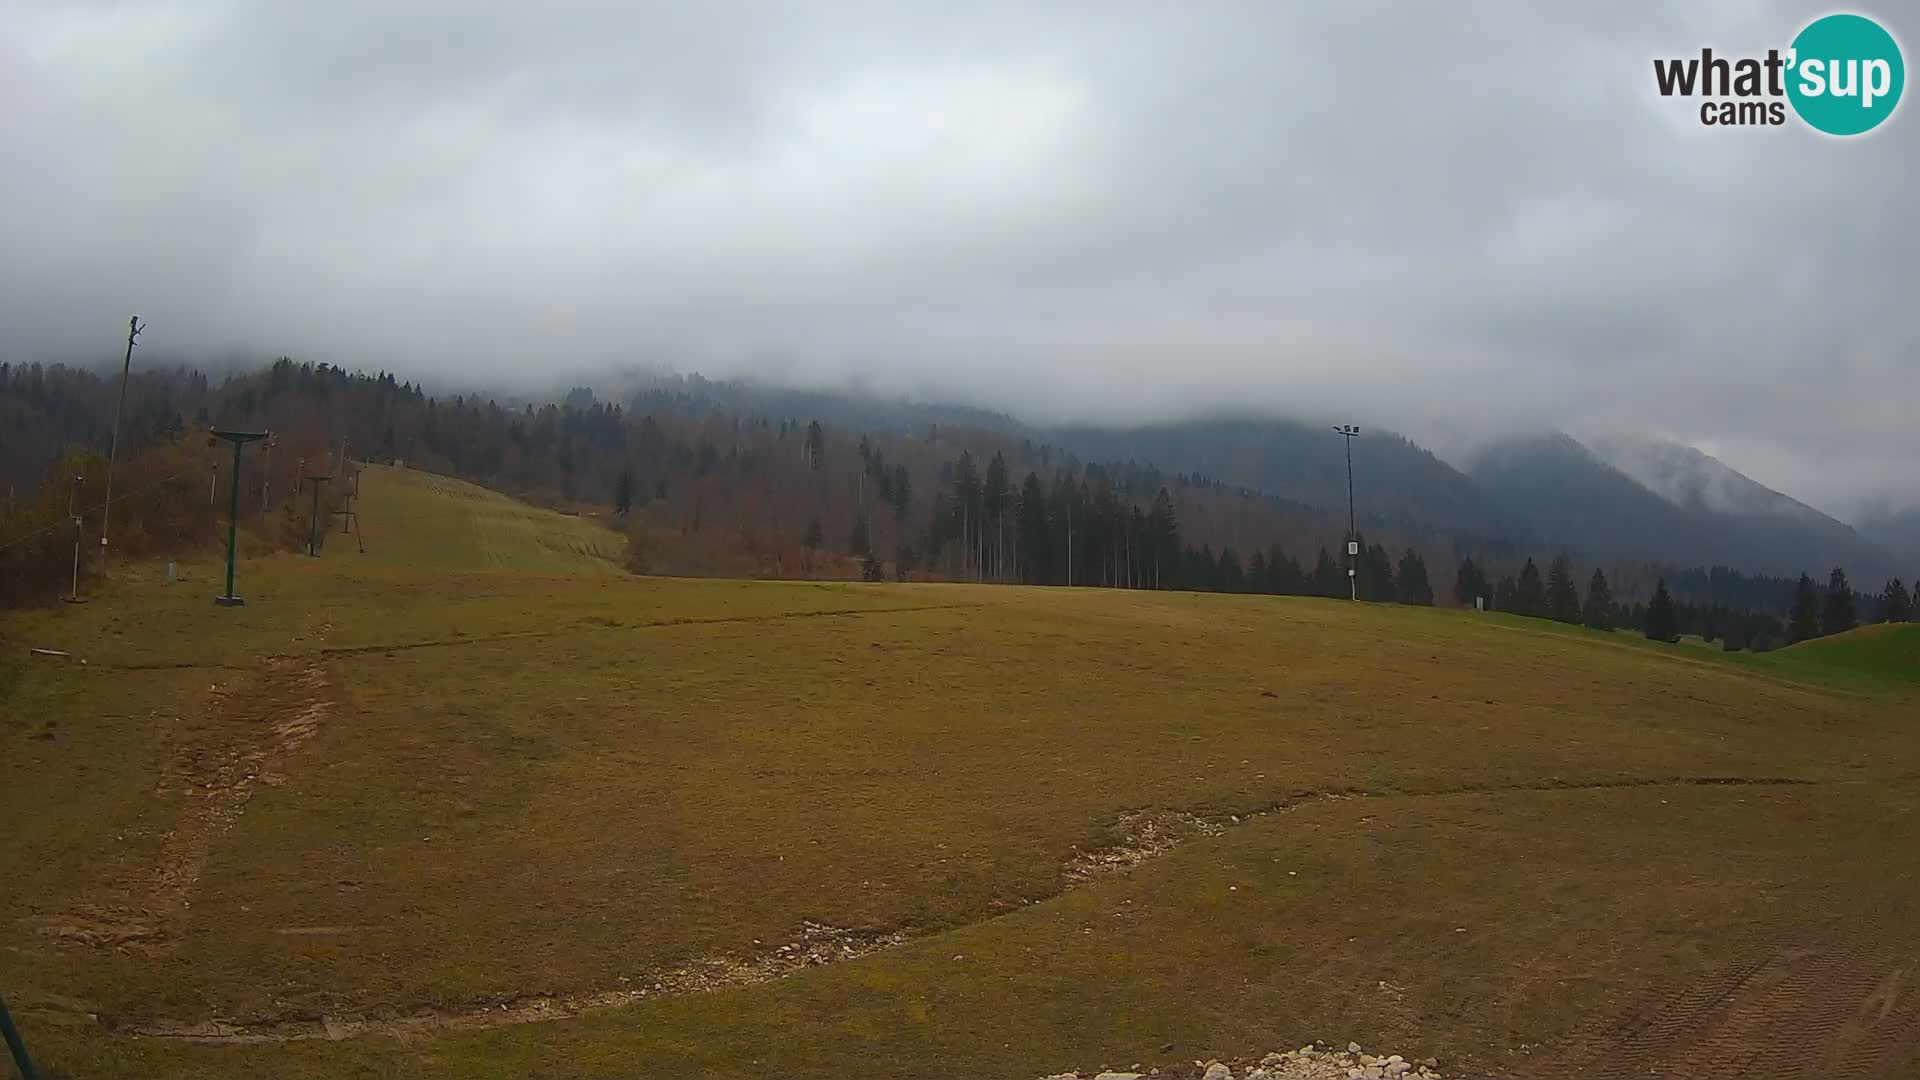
(417, 520)
(534, 774)
(1878, 658)
(1872, 657)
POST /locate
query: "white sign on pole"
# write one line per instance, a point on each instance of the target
(1353, 547)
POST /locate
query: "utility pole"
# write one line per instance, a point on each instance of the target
(1350, 433)
(238, 439)
(73, 595)
(119, 406)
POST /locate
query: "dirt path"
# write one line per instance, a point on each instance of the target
(251, 731)
(1844, 1007)
(628, 627)
(1134, 837)
(816, 945)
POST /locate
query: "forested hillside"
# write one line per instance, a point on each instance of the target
(1396, 482)
(1652, 501)
(702, 490)
(705, 484)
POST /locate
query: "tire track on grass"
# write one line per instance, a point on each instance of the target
(1843, 1006)
(571, 631)
(1135, 836)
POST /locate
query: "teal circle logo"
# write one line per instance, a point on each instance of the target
(1845, 74)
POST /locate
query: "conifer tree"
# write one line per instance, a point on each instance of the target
(1376, 574)
(996, 498)
(1469, 583)
(1896, 605)
(1162, 540)
(623, 491)
(1563, 596)
(1288, 579)
(1597, 613)
(900, 492)
(1804, 621)
(1328, 579)
(1530, 593)
(1036, 532)
(1203, 571)
(1230, 578)
(816, 445)
(1661, 624)
(1412, 582)
(1837, 615)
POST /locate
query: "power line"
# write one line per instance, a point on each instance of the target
(99, 506)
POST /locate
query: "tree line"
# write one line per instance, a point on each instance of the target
(692, 484)
(1814, 612)
(1094, 527)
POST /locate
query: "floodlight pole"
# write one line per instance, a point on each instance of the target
(238, 439)
(119, 407)
(1349, 432)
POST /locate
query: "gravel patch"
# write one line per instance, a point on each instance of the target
(1314, 1061)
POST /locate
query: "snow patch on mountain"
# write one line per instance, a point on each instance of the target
(1686, 477)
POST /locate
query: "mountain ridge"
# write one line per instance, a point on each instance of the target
(1639, 497)
(1665, 502)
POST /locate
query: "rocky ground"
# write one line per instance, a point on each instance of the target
(1315, 1061)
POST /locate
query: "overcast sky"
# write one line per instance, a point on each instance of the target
(1441, 218)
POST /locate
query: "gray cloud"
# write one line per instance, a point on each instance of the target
(1447, 220)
